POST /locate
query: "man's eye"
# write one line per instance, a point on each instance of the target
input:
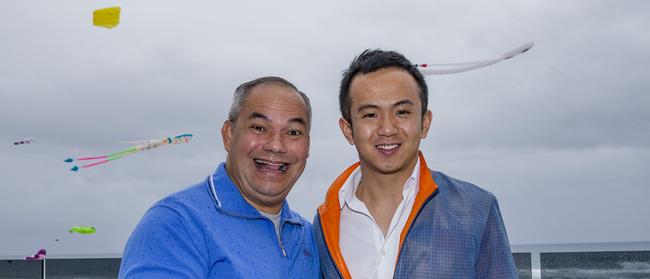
(257, 129)
(295, 133)
(403, 112)
(369, 115)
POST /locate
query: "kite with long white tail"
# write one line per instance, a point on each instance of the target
(454, 68)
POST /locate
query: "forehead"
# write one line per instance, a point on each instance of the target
(388, 85)
(274, 101)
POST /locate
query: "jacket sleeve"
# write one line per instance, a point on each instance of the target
(162, 247)
(495, 257)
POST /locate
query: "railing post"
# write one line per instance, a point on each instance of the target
(536, 266)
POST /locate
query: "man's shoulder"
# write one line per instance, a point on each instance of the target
(454, 186)
(303, 220)
(188, 197)
(295, 216)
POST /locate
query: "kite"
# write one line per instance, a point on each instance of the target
(82, 230)
(107, 18)
(40, 255)
(454, 68)
(142, 145)
(25, 141)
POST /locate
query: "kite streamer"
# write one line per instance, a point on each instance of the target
(141, 146)
(454, 68)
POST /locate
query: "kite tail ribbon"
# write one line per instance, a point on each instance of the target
(461, 67)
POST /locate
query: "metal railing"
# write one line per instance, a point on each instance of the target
(548, 261)
(583, 260)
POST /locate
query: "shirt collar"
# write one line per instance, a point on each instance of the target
(229, 200)
(347, 193)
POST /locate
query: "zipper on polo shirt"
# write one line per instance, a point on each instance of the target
(284, 252)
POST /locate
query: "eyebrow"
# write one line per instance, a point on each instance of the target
(403, 102)
(258, 115)
(371, 106)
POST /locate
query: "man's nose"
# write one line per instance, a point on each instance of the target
(387, 127)
(275, 143)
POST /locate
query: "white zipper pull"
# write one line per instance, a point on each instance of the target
(284, 253)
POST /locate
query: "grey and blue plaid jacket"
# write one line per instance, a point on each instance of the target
(455, 230)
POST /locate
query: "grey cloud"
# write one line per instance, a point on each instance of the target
(559, 134)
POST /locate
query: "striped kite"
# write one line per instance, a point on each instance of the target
(25, 141)
(142, 145)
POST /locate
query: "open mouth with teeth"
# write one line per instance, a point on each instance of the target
(269, 166)
(388, 147)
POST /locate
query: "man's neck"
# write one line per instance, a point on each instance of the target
(272, 210)
(268, 209)
(378, 186)
(381, 189)
(382, 193)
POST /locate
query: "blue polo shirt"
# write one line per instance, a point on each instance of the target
(209, 231)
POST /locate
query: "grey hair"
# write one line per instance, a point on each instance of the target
(241, 94)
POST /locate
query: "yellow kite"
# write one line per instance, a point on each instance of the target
(108, 17)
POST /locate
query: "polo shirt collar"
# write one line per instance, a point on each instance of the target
(228, 199)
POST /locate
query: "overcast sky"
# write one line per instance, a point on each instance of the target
(560, 134)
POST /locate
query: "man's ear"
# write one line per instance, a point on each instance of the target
(308, 144)
(226, 135)
(346, 128)
(426, 123)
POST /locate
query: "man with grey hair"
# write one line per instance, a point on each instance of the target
(236, 223)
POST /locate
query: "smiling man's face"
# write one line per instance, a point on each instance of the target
(387, 121)
(267, 145)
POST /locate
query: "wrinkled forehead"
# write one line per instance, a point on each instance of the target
(277, 103)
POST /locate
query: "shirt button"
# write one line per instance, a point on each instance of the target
(383, 252)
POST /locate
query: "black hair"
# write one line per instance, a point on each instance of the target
(372, 60)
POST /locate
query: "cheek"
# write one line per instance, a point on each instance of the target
(300, 149)
(411, 127)
(247, 144)
(366, 133)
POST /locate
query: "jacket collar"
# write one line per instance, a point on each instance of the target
(330, 211)
(229, 200)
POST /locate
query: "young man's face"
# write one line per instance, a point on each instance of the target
(268, 145)
(387, 123)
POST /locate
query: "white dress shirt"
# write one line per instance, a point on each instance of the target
(367, 253)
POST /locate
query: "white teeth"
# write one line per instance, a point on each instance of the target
(262, 162)
(281, 166)
(387, 146)
(267, 163)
